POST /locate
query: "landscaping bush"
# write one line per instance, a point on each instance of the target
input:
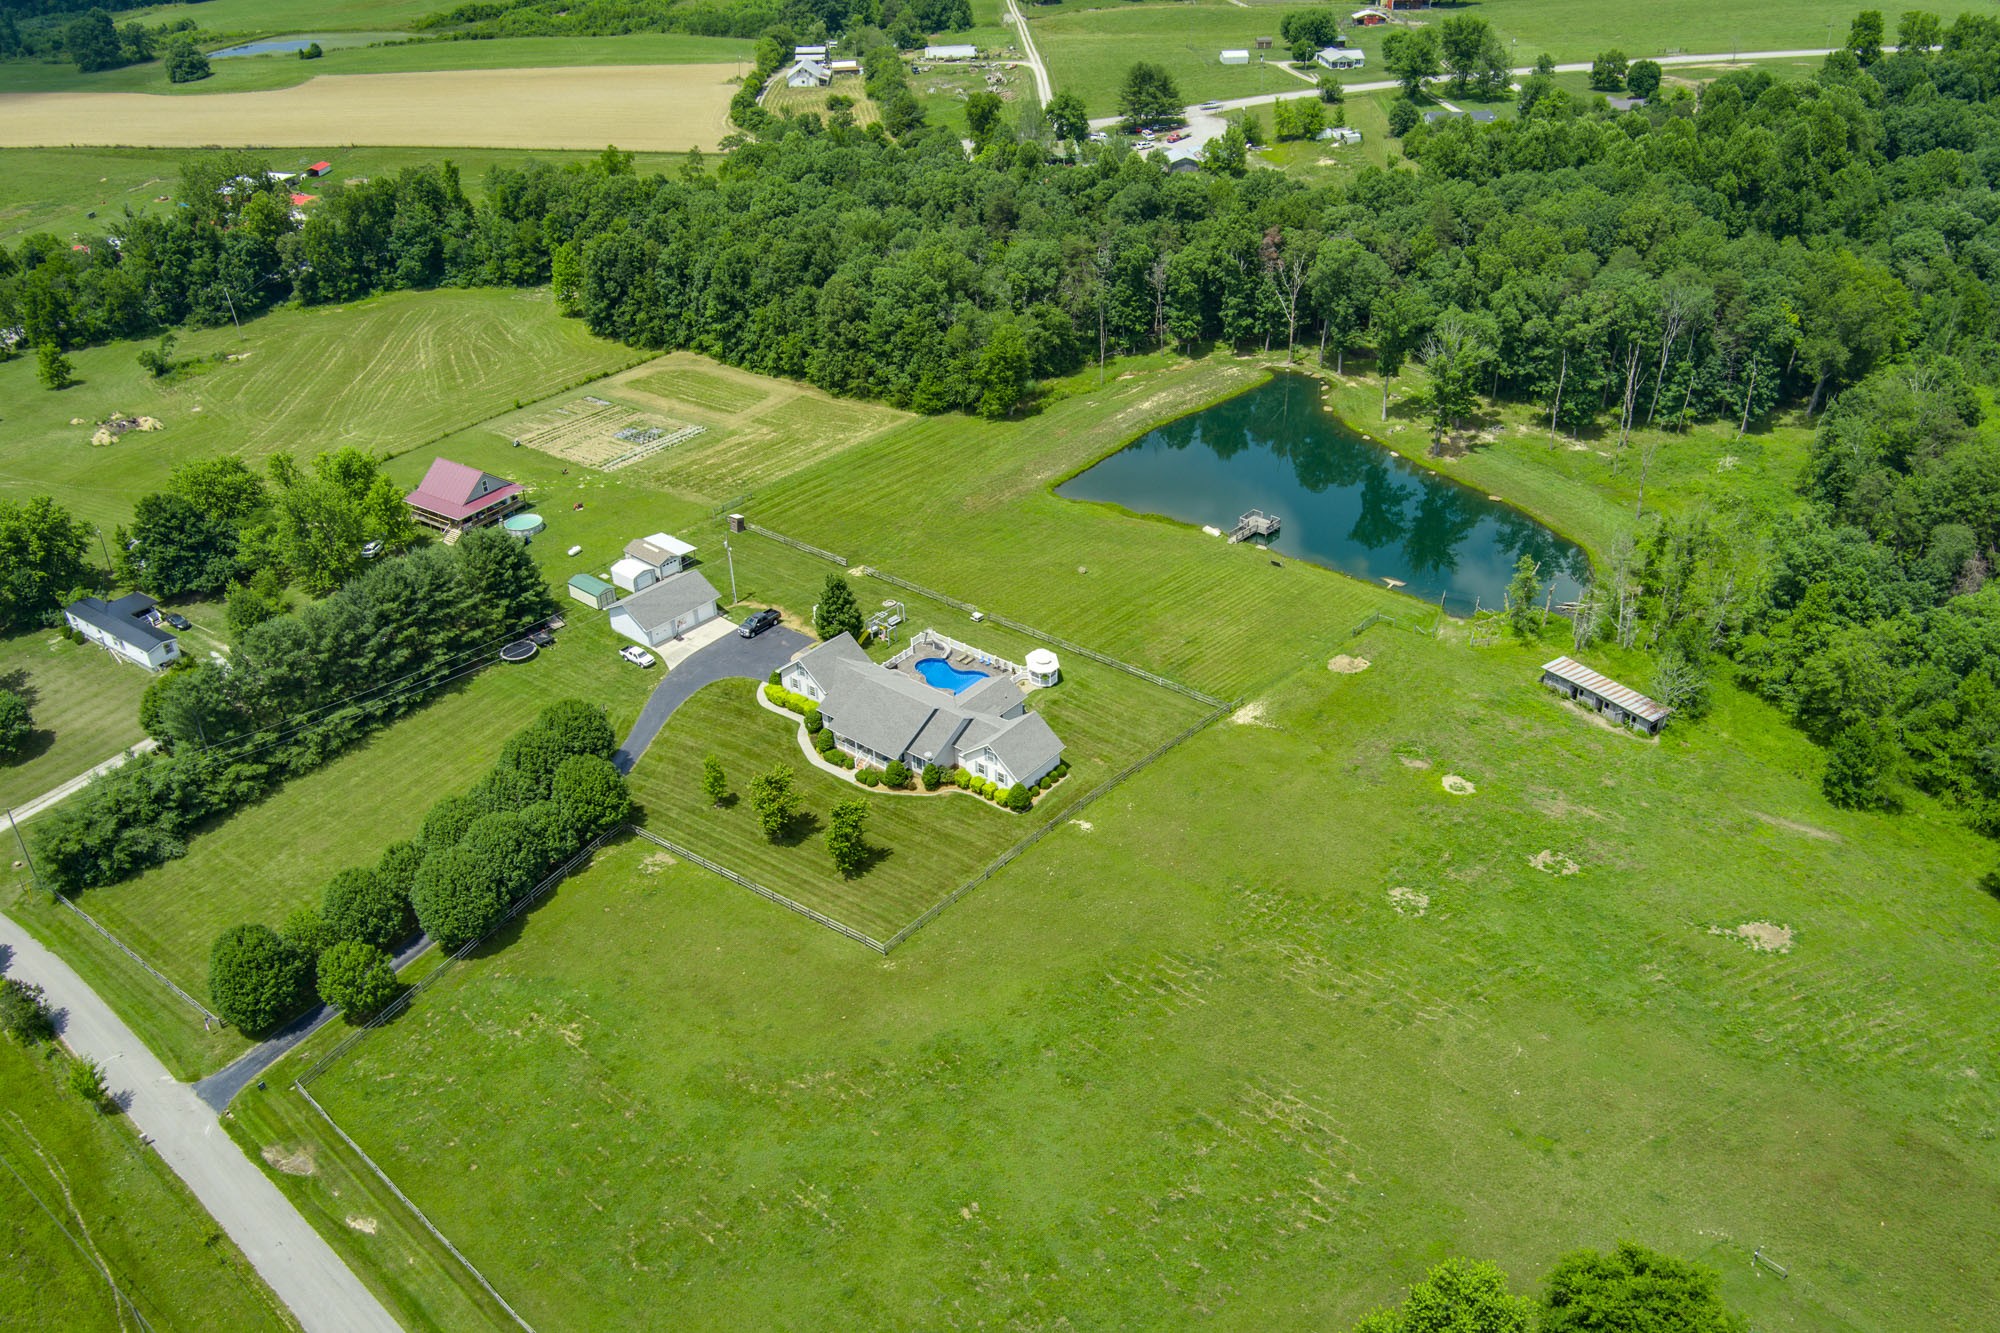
(24, 1013)
(961, 779)
(592, 794)
(933, 777)
(840, 759)
(448, 820)
(897, 774)
(86, 1079)
(359, 904)
(1017, 799)
(255, 980)
(869, 777)
(775, 798)
(774, 681)
(455, 897)
(16, 724)
(355, 978)
(813, 720)
(824, 742)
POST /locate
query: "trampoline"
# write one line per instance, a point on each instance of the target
(519, 651)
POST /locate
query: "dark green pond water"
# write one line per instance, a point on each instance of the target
(1347, 502)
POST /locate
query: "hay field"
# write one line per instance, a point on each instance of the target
(649, 108)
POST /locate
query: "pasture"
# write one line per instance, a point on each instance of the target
(646, 107)
(385, 374)
(364, 53)
(1089, 51)
(782, 100)
(1284, 1024)
(80, 1195)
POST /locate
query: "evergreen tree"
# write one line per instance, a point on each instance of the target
(838, 612)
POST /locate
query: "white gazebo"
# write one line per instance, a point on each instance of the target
(1043, 668)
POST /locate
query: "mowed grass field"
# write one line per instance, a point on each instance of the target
(238, 74)
(385, 374)
(85, 705)
(783, 100)
(1088, 52)
(56, 189)
(654, 108)
(1285, 1025)
(80, 1194)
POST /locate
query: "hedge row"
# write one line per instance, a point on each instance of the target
(552, 790)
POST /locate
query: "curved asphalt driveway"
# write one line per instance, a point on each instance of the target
(731, 658)
(294, 1259)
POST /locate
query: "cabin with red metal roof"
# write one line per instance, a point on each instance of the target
(452, 495)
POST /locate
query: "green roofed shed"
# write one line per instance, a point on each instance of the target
(592, 591)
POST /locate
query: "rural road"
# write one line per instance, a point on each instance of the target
(1205, 125)
(1043, 91)
(321, 1291)
(725, 659)
(220, 1088)
(24, 813)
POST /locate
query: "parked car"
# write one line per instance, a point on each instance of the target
(636, 655)
(1177, 136)
(179, 621)
(757, 624)
(371, 550)
(1211, 106)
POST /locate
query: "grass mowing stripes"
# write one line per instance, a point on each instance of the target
(85, 705)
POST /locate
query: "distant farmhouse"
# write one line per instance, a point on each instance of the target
(128, 628)
(1340, 57)
(452, 495)
(877, 714)
(808, 73)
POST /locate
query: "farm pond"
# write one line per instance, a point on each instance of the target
(1345, 501)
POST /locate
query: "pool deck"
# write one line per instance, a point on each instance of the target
(962, 661)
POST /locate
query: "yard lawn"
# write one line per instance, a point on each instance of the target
(71, 1170)
(85, 705)
(267, 858)
(1284, 1025)
(388, 374)
(927, 846)
(784, 100)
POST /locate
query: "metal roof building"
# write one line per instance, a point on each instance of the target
(1599, 692)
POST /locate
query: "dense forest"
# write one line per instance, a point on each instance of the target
(1830, 245)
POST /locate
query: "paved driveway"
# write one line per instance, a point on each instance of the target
(731, 658)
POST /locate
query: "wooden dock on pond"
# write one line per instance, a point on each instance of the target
(1256, 523)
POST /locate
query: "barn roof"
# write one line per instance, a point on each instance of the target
(1607, 689)
(455, 491)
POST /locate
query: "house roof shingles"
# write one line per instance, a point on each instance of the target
(122, 619)
(657, 549)
(658, 605)
(455, 491)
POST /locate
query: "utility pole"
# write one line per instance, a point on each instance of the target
(33, 873)
(109, 569)
(732, 570)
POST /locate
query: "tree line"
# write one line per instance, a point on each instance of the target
(551, 791)
(298, 689)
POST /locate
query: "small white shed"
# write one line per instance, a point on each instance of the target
(632, 575)
(1237, 57)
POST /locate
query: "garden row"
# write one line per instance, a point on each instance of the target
(896, 774)
(551, 791)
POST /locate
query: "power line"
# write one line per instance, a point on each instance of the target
(95, 1262)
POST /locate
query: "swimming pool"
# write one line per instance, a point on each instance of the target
(937, 671)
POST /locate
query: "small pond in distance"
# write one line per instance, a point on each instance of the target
(1346, 502)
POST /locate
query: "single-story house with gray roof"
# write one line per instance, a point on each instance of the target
(666, 609)
(128, 628)
(878, 715)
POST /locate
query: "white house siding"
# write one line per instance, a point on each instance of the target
(131, 652)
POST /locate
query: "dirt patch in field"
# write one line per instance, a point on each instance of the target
(1457, 785)
(1345, 665)
(298, 1162)
(1250, 715)
(1553, 863)
(367, 1226)
(1413, 761)
(1083, 824)
(650, 108)
(1559, 806)
(656, 863)
(1823, 835)
(1409, 902)
(1759, 935)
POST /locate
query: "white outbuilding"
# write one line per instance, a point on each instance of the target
(1044, 668)
(632, 575)
(1236, 57)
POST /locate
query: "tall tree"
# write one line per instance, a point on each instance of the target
(1412, 55)
(844, 845)
(838, 612)
(92, 42)
(1149, 96)
(42, 550)
(1864, 36)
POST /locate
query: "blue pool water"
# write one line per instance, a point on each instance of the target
(946, 676)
